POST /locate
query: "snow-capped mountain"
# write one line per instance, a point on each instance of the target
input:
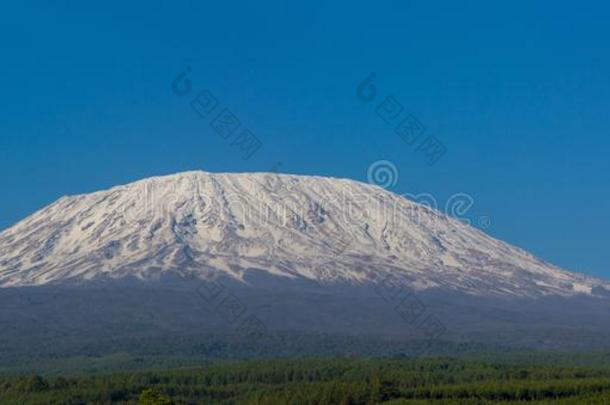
(293, 227)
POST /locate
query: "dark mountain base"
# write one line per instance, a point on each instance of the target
(222, 319)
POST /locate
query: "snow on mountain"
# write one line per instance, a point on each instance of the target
(325, 229)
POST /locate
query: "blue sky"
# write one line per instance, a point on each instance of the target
(517, 92)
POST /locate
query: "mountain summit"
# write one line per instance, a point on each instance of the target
(293, 227)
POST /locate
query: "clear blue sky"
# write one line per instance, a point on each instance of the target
(518, 93)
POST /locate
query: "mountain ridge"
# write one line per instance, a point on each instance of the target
(325, 229)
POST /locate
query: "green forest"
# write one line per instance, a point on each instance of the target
(330, 381)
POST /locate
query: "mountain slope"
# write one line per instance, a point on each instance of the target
(331, 231)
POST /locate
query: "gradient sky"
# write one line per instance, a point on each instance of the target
(517, 92)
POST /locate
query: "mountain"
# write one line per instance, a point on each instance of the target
(166, 261)
(322, 229)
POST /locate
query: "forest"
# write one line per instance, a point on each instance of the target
(439, 380)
